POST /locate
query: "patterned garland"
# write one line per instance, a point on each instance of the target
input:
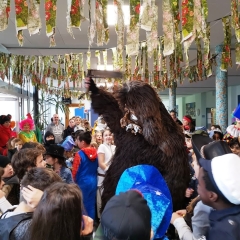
(50, 16)
(4, 14)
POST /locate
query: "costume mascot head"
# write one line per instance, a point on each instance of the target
(144, 133)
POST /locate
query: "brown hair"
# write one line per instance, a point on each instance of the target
(16, 140)
(24, 159)
(1, 173)
(9, 143)
(58, 215)
(40, 178)
(34, 145)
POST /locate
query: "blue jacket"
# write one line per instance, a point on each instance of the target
(66, 175)
(224, 224)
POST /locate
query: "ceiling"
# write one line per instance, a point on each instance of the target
(39, 44)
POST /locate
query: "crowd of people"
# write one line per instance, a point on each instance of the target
(138, 173)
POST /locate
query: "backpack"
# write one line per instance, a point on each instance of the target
(10, 223)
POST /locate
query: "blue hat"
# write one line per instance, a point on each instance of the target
(237, 112)
(68, 143)
(148, 180)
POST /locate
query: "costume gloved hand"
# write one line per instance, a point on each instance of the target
(90, 85)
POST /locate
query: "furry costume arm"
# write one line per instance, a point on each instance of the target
(105, 104)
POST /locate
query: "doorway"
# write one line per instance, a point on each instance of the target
(75, 109)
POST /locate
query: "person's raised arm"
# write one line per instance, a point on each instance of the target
(105, 104)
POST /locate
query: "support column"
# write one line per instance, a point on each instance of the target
(221, 91)
(172, 97)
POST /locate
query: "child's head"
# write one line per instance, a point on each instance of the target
(5, 163)
(78, 121)
(98, 137)
(84, 139)
(127, 216)
(55, 154)
(1, 177)
(34, 145)
(234, 145)
(188, 141)
(17, 142)
(107, 136)
(40, 178)
(219, 181)
(61, 204)
(49, 138)
(26, 159)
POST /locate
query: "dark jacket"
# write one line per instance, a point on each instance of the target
(68, 132)
(11, 153)
(225, 224)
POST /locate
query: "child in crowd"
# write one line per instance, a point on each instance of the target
(105, 152)
(11, 187)
(26, 159)
(17, 143)
(11, 147)
(219, 188)
(98, 138)
(198, 211)
(234, 145)
(61, 204)
(84, 171)
(17, 220)
(49, 139)
(78, 125)
(55, 158)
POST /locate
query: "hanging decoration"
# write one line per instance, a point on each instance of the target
(133, 29)
(187, 19)
(119, 28)
(92, 24)
(88, 62)
(200, 14)
(206, 62)
(4, 14)
(152, 34)
(106, 29)
(168, 28)
(199, 59)
(97, 55)
(43, 70)
(237, 53)
(128, 68)
(21, 19)
(73, 15)
(156, 68)
(146, 71)
(235, 18)
(104, 53)
(114, 58)
(100, 30)
(50, 17)
(226, 54)
(34, 20)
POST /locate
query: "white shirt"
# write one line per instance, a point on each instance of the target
(108, 151)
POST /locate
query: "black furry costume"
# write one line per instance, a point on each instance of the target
(160, 144)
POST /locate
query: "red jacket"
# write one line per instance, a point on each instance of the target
(5, 135)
